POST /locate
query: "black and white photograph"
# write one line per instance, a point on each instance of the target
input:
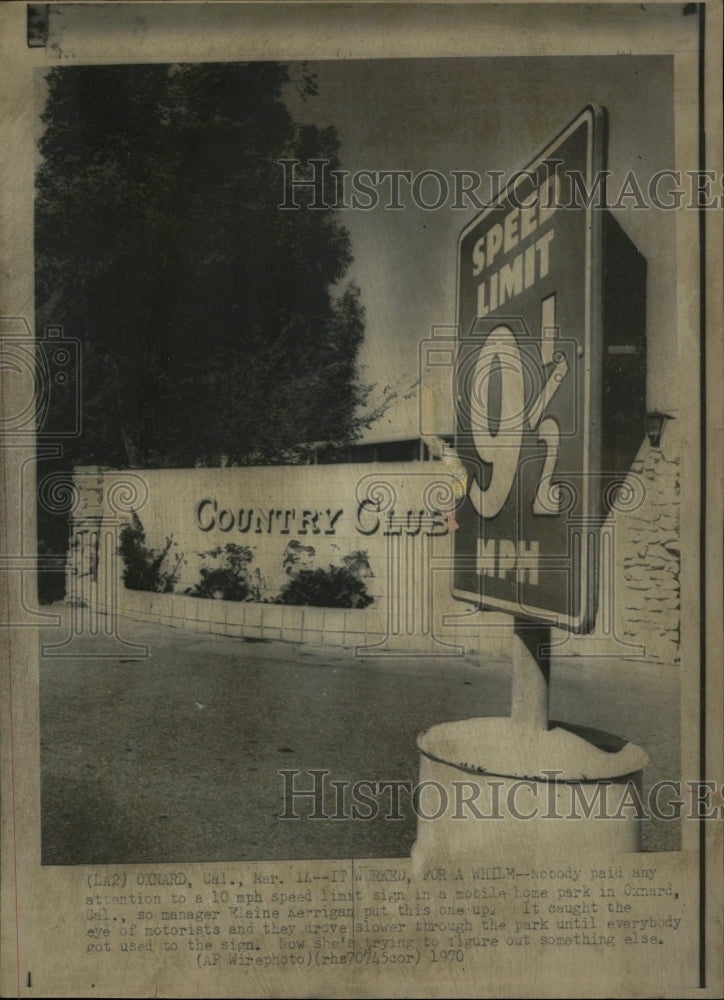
(361, 377)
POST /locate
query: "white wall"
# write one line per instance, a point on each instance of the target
(394, 512)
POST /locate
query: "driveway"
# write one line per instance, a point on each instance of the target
(176, 757)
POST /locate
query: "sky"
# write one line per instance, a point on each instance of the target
(483, 114)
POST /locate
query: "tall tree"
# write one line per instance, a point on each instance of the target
(212, 322)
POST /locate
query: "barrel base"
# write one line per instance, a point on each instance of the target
(493, 788)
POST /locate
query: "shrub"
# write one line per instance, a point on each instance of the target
(297, 557)
(229, 579)
(144, 568)
(335, 587)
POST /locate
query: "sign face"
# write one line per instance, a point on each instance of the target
(528, 380)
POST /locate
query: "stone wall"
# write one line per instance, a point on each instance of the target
(649, 562)
(393, 513)
(639, 600)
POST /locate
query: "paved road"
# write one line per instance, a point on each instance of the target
(176, 757)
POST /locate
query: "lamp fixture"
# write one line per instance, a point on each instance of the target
(654, 426)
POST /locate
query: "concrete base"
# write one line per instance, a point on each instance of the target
(491, 788)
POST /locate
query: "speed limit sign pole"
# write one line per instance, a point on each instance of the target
(531, 676)
(551, 394)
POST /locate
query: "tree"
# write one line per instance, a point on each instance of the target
(212, 322)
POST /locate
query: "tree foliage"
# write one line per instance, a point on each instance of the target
(212, 322)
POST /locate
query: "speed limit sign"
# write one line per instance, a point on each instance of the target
(550, 381)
